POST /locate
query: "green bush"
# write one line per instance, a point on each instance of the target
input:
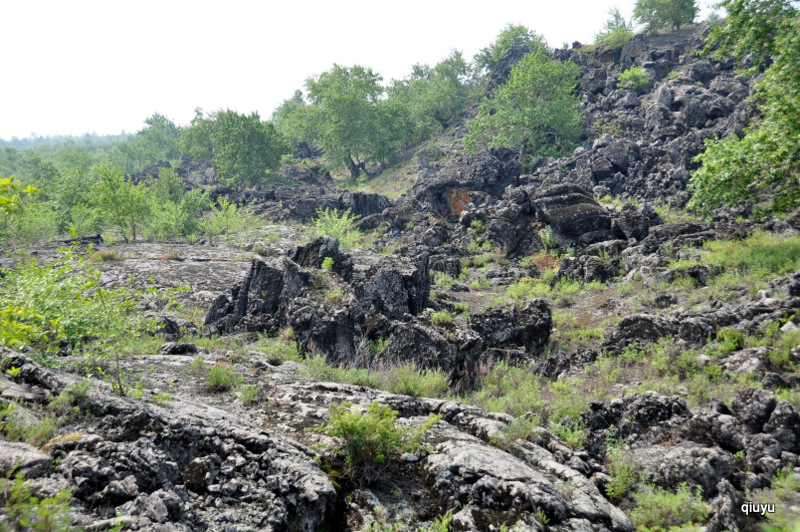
(635, 79)
(659, 510)
(441, 318)
(332, 223)
(617, 31)
(535, 111)
(624, 472)
(26, 512)
(223, 377)
(248, 394)
(43, 305)
(372, 439)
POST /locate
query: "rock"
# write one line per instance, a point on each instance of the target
(21, 457)
(448, 192)
(177, 348)
(570, 210)
(753, 407)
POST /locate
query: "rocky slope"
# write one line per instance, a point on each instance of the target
(456, 280)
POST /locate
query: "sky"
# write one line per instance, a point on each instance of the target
(102, 67)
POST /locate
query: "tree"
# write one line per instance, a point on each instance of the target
(289, 118)
(122, 204)
(432, 96)
(195, 141)
(347, 118)
(246, 150)
(617, 31)
(765, 162)
(535, 111)
(512, 35)
(659, 14)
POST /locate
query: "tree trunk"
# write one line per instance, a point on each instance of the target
(355, 169)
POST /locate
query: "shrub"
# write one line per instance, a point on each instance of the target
(441, 318)
(62, 301)
(327, 264)
(728, 340)
(477, 226)
(548, 239)
(223, 377)
(279, 350)
(621, 467)
(659, 510)
(635, 79)
(372, 439)
(26, 512)
(332, 223)
(248, 394)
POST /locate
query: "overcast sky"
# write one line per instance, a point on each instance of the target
(72, 67)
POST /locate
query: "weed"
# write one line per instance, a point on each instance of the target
(332, 223)
(248, 394)
(26, 512)
(441, 318)
(198, 366)
(278, 350)
(659, 510)
(442, 280)
(371, 439)
(621, 467)
(222, 377)
(327, 264)
(548, 239)
(477, 226)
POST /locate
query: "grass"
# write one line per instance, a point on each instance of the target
(658, 510)
(405, 378)
(278, 350)
(621, 467)
(222, 377)
(442, 318)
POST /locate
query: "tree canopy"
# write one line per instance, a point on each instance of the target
(762, 167)
(535, 111)
(659, 14)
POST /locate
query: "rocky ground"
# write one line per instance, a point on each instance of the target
(593, 344)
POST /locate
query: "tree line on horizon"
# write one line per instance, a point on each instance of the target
(360, 125)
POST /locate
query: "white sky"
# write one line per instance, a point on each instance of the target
(71, 67)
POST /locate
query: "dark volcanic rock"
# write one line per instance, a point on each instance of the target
(572, 212)
(448, 192)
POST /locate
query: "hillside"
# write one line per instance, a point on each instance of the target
(565, 346)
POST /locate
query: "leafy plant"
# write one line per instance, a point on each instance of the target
(535, 111)
(658, 510)
(441, 318)
(371, 439)
(624, 472)
(27, 512)
(248, 394)
(635, 79)
(222, 377)
(332, 223)
(63, 301)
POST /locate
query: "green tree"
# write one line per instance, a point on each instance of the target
(512, 35)
(535, 111)
(122, 204)
(432, 98)
(659, 14)
(617, 31)
(246, 150)
(290, 118)
(195, 141)
(347, 118)
(763, 166)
